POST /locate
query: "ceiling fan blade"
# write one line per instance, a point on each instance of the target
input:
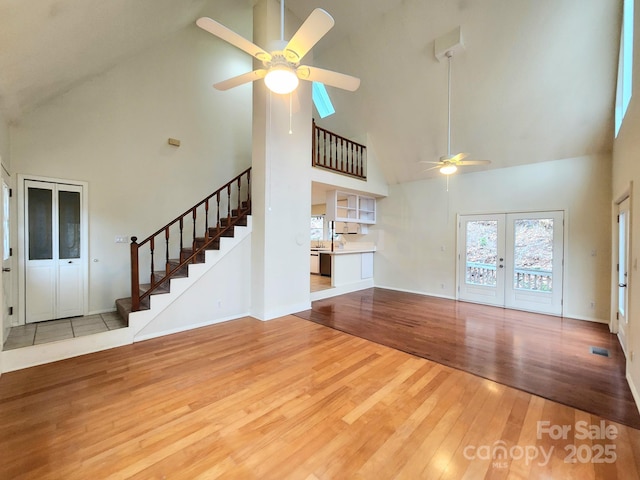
(328, 77)
(458, 157)
(233, 38)
(240, 79)
(429, 169)
(431, 163)
(474, 162)
(310, 32)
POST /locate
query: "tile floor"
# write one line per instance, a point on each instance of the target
(54, 330)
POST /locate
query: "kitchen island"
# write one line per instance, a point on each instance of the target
(351, 269)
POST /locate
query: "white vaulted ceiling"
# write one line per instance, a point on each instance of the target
(536, 81)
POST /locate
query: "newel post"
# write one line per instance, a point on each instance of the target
(135, 287)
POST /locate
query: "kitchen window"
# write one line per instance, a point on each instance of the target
(317, 228)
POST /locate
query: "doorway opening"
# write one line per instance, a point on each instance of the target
(512, 260)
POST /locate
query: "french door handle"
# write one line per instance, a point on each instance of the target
(622, 285)
(6, 269)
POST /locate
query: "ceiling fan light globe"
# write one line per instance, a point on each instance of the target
(448, 169)
(281, 80)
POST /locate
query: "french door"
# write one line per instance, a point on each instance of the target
(513, 260)
(54, 260)
(623, 269)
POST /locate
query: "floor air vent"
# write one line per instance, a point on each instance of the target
(600, 351)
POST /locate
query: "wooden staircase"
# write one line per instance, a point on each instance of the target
(171, 241)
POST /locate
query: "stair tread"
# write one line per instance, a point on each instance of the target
(180, 273)
(163, 288)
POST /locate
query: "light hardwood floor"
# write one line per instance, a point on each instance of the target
(286, 399)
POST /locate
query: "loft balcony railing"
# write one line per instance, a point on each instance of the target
(339, 154)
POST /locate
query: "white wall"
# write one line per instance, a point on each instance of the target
(223, 293)
(416, 226)
(112, 132)
(626, 171)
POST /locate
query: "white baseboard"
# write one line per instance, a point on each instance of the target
(426, 294)
(281, 312)
(341, 290)
(185, 328)
(586, 319)
(634, 390)
(25, 357)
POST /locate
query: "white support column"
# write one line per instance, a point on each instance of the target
(281, 186)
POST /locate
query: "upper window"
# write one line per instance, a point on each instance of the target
(625, 65)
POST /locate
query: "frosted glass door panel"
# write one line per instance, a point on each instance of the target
(69, 224)
(40, 208)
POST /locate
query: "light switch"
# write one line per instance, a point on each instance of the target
(122, 239)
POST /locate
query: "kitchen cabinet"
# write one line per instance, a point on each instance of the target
(350, 208)
(366, 270)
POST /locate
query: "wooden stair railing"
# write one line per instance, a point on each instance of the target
(232, 199)
(333, 152)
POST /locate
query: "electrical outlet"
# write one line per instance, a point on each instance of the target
(442, 286)
(592, 305)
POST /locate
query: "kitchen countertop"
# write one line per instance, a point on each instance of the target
(342, 251)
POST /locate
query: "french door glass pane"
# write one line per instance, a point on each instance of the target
(40, 222)
(482, 252)
(69, 224)
(533, 255)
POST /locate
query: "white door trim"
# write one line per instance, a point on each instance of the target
(84, 247)
(626, 194)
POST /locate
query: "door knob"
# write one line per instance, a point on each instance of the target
(501, 266)
(622, 285)
(70, 261)
(5, 269)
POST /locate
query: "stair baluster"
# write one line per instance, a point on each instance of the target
(218, 210)
(193, 242)
(152, 245)
(166, 262)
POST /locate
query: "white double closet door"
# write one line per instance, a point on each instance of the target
(54, 260)
(513, 260)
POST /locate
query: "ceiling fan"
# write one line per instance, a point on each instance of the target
(282, 67)
(448, 164)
